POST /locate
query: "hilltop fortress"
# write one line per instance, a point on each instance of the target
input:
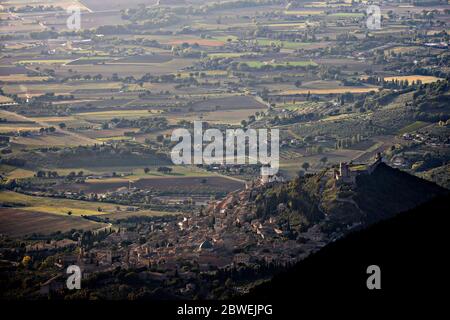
(347, 173)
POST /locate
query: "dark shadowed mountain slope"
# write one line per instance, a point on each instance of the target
(388, 191)
(411, 249)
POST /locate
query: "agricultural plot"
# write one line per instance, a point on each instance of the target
(90, 20)
(9, 70)
(324, 91)
(296, 25)
(99, 5)
(404, 49)
(88, 61)
(56, 3)
(413, 78)
(4, 99)
(17, 128)
(17, 173)
(55, 205)
(413, 127)
(17, 222)
(108, 69)
(227, 103)
(346, 15)
(199, 41)
(133, 173)
(281, 43)
(60, 88)
(291, 166)
(165, 185)
(144, 59)
(293, 64)
(71, 122)
(48, 62)
(108, 115)
(48, 140)
(12, 117)
(232, 117)
(347, 64)
(306, 13)
(23, 78)
(113, 217)
(20, 26)
(110, 135)
(229, 54)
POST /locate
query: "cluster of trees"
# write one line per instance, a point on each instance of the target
(242, 66)
(144, 18)
(348, 142)
(50, 96)
(43, 35)
(394, 83)
(145, 125)
(38, 8)
(164, 170)
(47, 130)
(148, 13)
(54, 174)
(294, 118)
(118, 154)
(298, 196)
(47, 174)
(88, 238)
(432, 97)
(208, 8)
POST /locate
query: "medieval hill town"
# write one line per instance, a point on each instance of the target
(91, 92)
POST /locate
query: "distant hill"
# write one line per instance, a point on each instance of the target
(388, 191)
(373, 197)
(439, 175)
(410, 250)
(337, 206)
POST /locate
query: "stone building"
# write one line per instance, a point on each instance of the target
(347, 173)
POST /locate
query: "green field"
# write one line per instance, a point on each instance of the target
(229, 54)
(281, 43)
(106, 115)
(56, 205)
(347, 15)
(259, 64)
(413, 127)
(61, 61)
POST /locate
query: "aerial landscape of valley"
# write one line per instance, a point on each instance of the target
(355, 94)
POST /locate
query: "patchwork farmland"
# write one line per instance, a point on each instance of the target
(88, 114)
